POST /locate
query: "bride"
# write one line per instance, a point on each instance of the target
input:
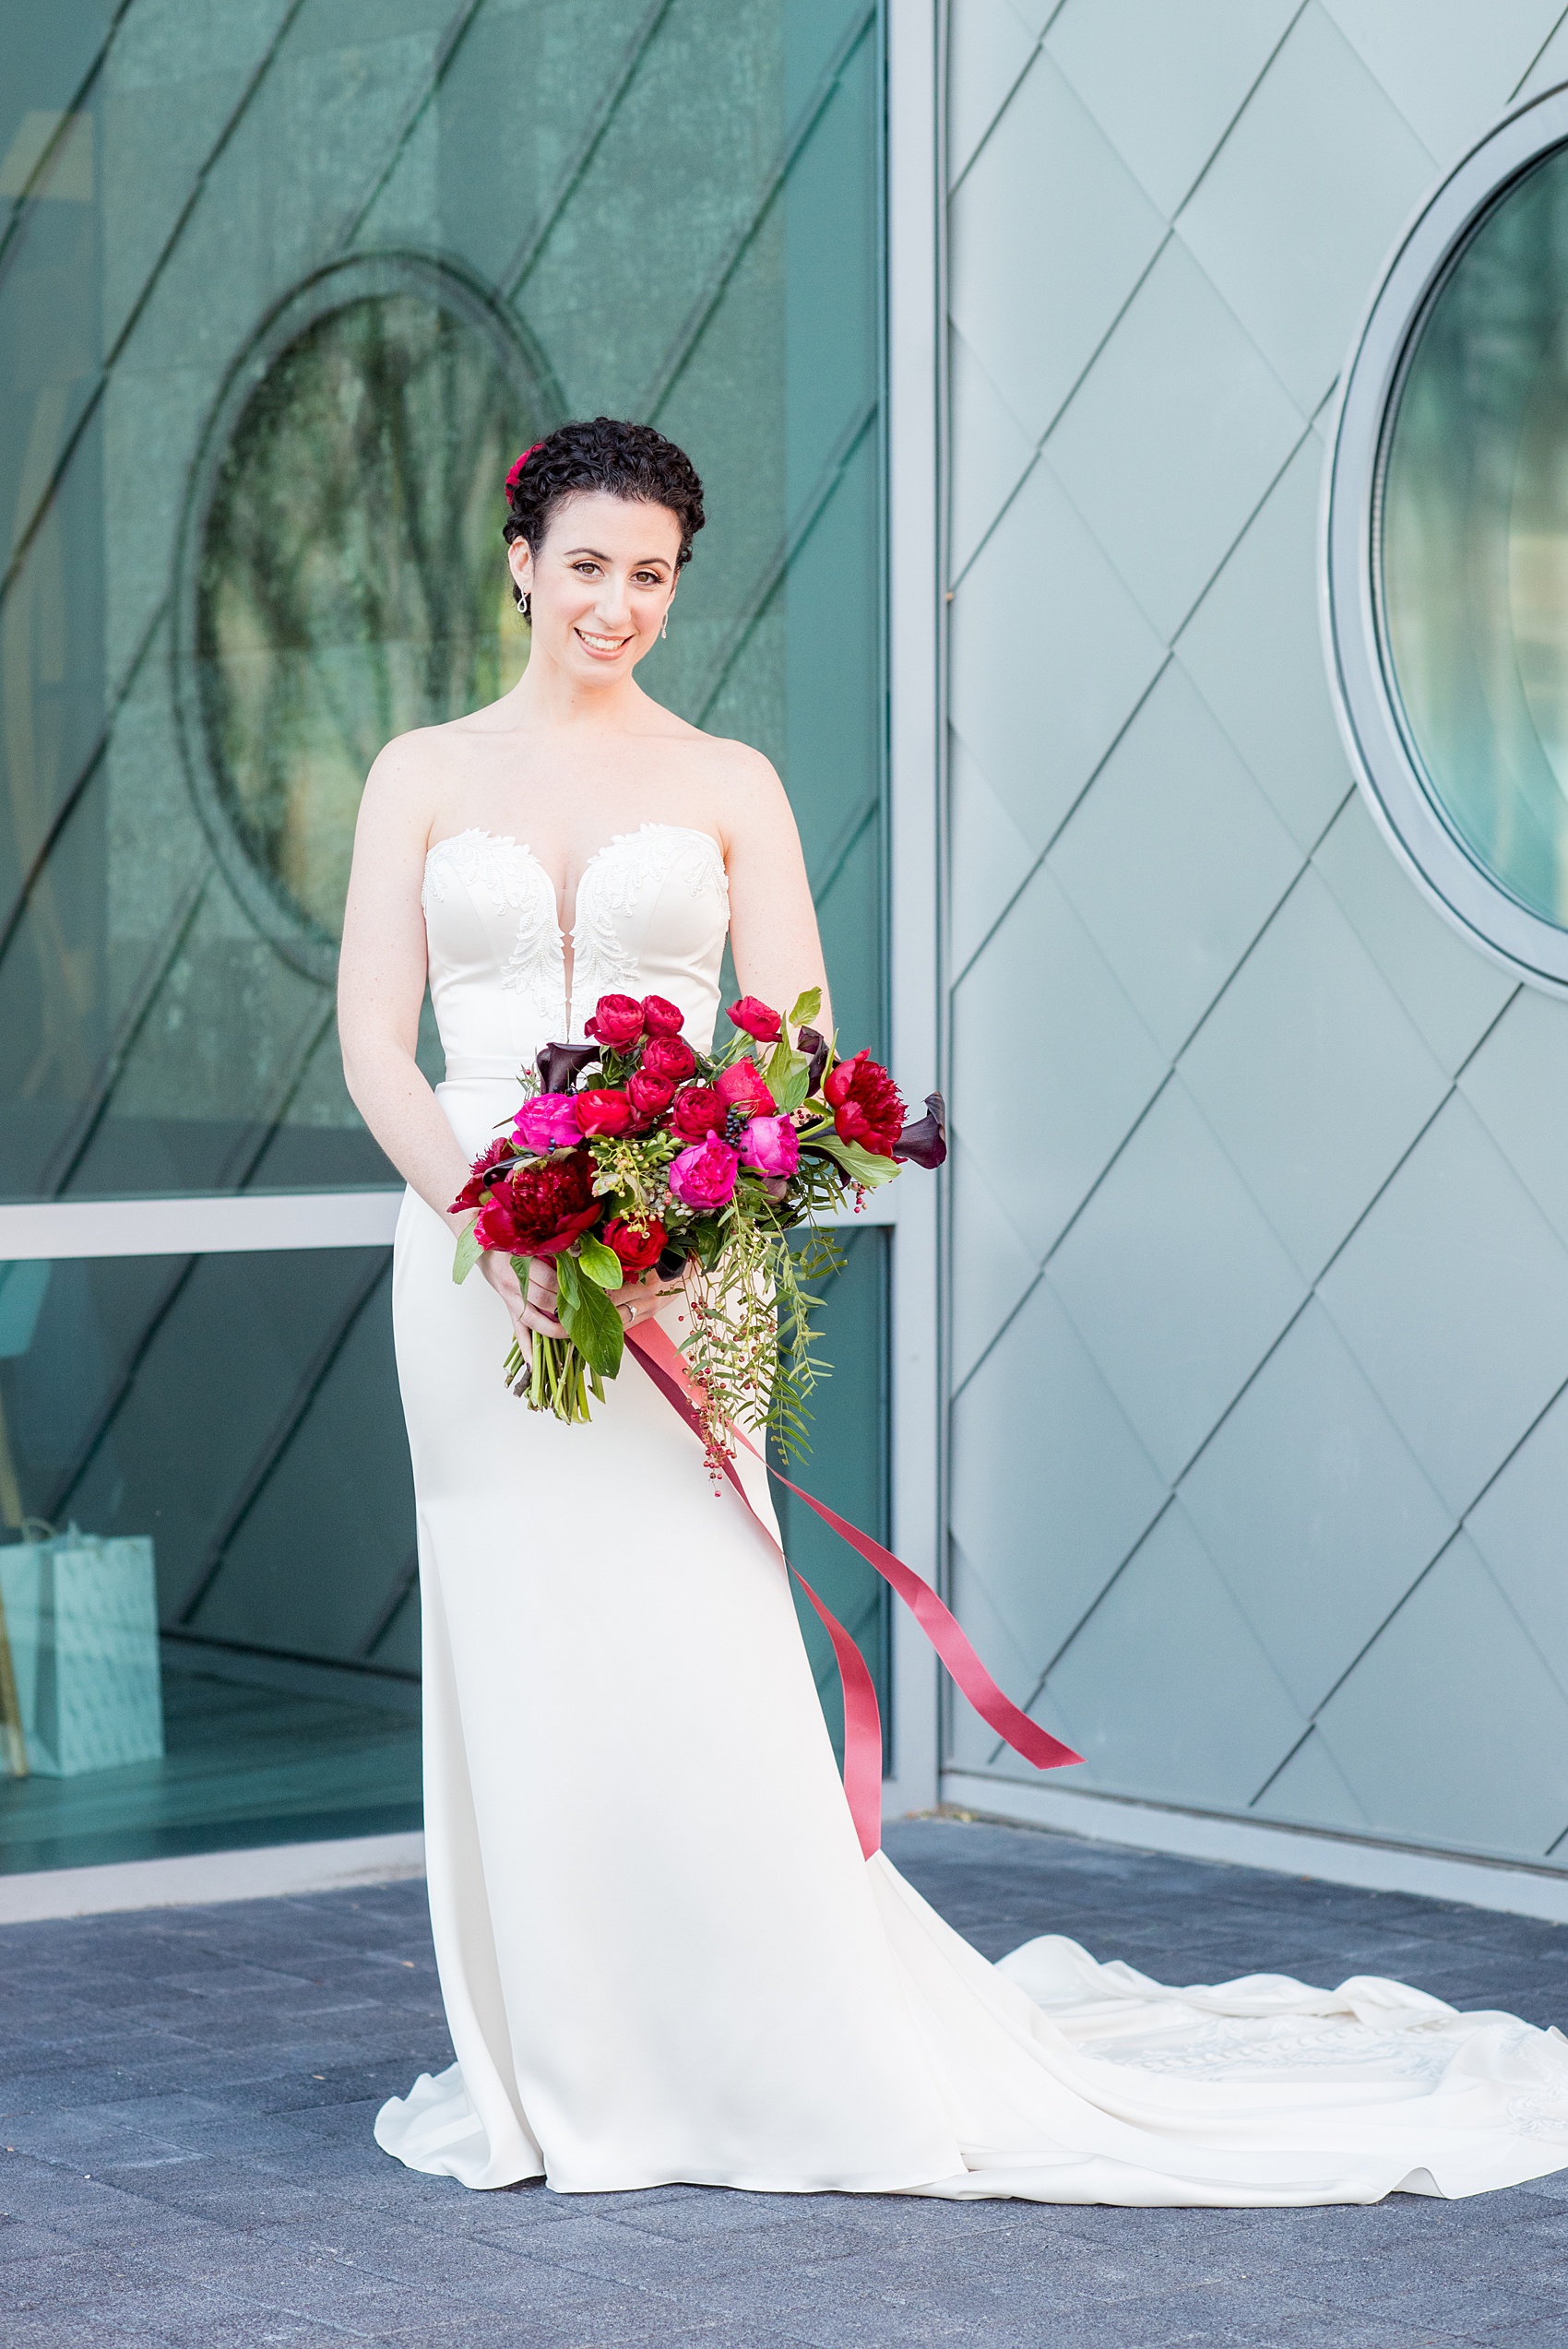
(662, 1954)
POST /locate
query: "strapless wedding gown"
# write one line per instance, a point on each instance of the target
(662, 1954)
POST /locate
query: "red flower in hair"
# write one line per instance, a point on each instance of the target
(516, 475)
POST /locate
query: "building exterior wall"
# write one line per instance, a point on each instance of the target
(1258, 1263)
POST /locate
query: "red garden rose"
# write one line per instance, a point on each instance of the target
(605, 1108)
(661, 1018)
(668, 1056)
(543, 1207)
(867, 1106)
(499, 1154)
(741, 1087)
(638, 1250)
(757, 1019)
(649, 1095)
(698, 1110)
(617, 1021)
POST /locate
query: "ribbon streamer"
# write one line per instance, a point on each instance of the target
(665, 1365)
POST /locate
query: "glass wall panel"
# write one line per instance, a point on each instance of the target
(1474, 544)
(208, 1583)
(283, 285)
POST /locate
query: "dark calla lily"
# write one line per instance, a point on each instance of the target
(926, 1140)
(560, 1065)
(808, 1040)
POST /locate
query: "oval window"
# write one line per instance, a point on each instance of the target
(1448, 546)
(345, 578)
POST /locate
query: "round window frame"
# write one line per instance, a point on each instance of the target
(269, 909)
(1383, 757)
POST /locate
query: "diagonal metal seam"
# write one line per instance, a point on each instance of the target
(403, 1583)
(1094, 1604)
(1253, 87)
(1172, 653)
(1524, 77)
(509, 280)
(273, 1447)
(1056, 414)
(445, 53)
(690, 333)
(79, 96)
(78, 1138)
(774, 571)
(1284, 1763)
(69, 805)
(138, 310)
(446, 49)
(823, 882)
(120, 1388)
(988, 133)
(1172, 1070)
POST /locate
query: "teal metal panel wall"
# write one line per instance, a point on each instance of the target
(1259, 1258)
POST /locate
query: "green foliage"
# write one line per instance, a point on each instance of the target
(600, 1263)
(588, 1319)
(467, 1253)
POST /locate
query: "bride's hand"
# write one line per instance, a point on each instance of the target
(639, 1300)
(538, 1310)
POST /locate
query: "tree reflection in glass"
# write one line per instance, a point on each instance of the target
(351, 582)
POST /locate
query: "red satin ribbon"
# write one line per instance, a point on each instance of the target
(665, 1365)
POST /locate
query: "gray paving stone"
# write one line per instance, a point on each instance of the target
(189, 2095)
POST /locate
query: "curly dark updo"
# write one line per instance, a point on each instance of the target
(627, 460)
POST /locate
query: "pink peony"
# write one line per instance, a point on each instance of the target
(548, 1122)
(770, 1147)
(704, 1176)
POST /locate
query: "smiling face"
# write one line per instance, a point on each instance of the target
(600, 584)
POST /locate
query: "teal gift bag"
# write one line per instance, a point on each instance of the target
(81, 1619)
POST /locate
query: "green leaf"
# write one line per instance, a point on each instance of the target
(806, 1006)
(600, 1263)
(792, 1092)
(467, 1256)
(591, 1323)
(861, 1165)
(568, 1284)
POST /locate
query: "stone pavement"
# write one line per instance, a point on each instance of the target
(186, 2157)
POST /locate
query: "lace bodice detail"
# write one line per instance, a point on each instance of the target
(652, 913)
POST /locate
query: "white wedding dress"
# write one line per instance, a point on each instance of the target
(662, 1954)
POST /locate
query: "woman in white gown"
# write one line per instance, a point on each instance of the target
(662, 1954)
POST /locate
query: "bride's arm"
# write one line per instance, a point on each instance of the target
(773, 932)
(381, 976)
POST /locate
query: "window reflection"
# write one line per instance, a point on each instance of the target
(208, 1578)
(1474, 543)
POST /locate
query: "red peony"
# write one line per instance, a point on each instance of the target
(661, 1018)
(542, 1208)
(866, 1104)
(499, 1154)
(740, 1086)
(649, 1095)
(617, 1021)
(668, 1056)
(698, 1110)
(604, 1109)
(638, 1250)
(757, 1019)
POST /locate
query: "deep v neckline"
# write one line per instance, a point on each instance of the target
(566, 932)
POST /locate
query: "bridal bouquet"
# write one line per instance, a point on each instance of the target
(633, 1152)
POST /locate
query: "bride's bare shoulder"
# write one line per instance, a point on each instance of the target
(748, 796)
(406, 780)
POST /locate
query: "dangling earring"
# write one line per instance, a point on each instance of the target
(665, 630)
(525, 604)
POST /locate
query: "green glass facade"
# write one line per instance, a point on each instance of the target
(283, 286)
